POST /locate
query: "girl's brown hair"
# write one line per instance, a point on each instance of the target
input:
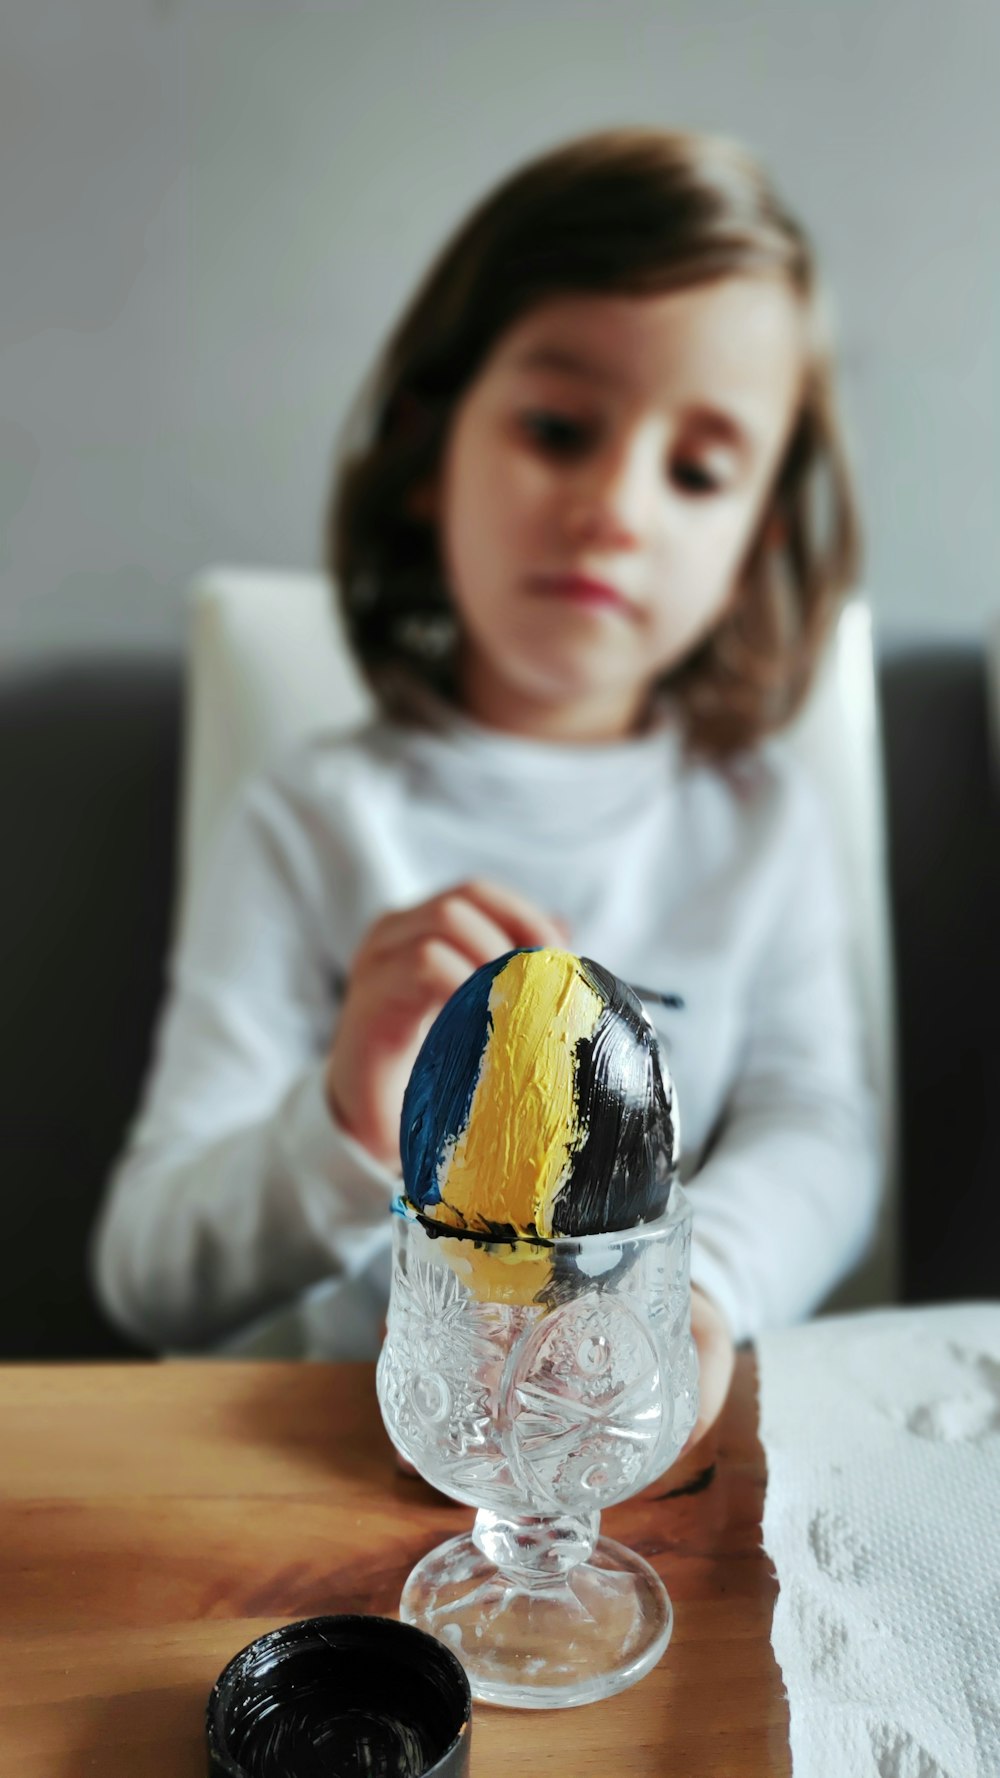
(633, 211)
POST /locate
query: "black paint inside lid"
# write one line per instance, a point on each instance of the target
(340, 1697)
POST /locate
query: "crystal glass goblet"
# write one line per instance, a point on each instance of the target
(539, 1383)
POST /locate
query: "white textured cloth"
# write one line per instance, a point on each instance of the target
(238, 1194)
(882, 1517)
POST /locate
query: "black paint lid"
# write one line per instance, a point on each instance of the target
(341, 1697)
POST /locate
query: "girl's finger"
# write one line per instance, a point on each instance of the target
(452, 919)
(523, 922)
(480, 918)
(418, 978)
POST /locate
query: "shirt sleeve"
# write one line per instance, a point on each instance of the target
(237, 1189)
(785, 1203)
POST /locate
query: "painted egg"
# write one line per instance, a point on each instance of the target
(538, 1105)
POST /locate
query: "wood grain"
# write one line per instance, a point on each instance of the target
(154, 1518)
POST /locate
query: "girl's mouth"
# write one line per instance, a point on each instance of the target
(581, 590)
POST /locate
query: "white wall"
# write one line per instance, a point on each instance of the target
(212, 210)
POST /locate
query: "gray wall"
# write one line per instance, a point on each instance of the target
(212, 210)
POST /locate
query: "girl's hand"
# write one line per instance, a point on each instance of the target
(408, 965)
(716, 1357)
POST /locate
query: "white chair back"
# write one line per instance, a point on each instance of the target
(838, 738)
(269, 663)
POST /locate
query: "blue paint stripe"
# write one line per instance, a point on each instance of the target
(439, 1094)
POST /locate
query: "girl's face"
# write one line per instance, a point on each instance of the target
(601, 486)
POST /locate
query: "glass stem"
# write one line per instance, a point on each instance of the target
(538, 1549)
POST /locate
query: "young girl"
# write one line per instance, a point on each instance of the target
(588, 546)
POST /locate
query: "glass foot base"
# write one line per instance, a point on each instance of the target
(566, 1641)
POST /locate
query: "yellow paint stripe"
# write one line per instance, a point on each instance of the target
(516, 1150)
(498, 1274)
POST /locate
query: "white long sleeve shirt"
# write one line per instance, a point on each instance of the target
(240, 1203)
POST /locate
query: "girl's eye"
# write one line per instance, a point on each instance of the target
(695, 479)
(556, 433)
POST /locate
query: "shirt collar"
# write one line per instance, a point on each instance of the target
(577, 790)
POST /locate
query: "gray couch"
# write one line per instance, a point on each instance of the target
(88, 791)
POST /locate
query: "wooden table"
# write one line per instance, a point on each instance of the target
(156, 1517)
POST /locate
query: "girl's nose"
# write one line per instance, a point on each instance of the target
(613, 498)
